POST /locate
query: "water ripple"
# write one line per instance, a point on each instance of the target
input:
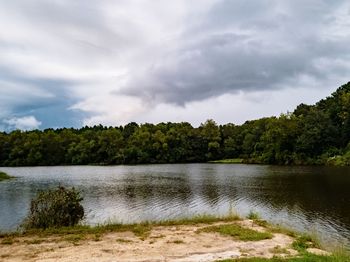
(303, 198)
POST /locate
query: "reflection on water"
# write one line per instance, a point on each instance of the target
(304, 198)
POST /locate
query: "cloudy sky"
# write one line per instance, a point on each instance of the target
(85, 62)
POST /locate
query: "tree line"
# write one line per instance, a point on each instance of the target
(311, 134)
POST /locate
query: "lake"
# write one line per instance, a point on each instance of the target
(312, 199)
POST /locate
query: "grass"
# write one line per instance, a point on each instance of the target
(176, 241)
(75, 238)
(4, 176)
(73, 234)
(7, 241)
(35, 241)
(279, 250)
(228, 161)
(307, 257)
(253, 215)
(97, 237)
(261, 222)
(4, 255)
(303, 242)
(300, 244)
(238, 232)
(123, 240)
(141, 230)
(199, 219)
(276, 228)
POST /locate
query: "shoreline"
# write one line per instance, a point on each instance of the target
(202, 238)
(4, 176)
(242, 161)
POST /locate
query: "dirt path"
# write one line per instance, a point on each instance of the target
(164, 243)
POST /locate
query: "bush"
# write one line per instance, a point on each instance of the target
(4, 176)
(55, 208)
(253, 215)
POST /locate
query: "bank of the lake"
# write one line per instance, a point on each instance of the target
(202, 238)
(4, 176)
(335, 161)
(228, 161)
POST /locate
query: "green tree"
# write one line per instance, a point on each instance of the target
(210, 134)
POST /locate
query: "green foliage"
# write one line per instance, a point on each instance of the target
(239, 232)
(139, 229)
(122, 240)
(301, 243)
(228, 161)
(4, 176)
(199, 219)
(312, 134)
(55, 208)
(339, 160)
(7, 241)
(306, 257)
(253, 215)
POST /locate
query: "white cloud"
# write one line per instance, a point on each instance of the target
(233, 108)
(23, 123)
(111, 110)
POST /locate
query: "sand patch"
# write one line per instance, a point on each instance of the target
(164, 243)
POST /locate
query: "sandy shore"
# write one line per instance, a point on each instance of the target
(164, 243)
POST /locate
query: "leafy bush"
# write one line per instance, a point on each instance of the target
(4, 176)
(253, 215)
(55, 208)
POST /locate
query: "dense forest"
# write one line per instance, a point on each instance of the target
(312, 134)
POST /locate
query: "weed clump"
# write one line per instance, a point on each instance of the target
(253, 215)
(58, 207)
(239, 232)
(4, 176)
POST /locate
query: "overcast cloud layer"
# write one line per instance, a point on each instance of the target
(72, 63)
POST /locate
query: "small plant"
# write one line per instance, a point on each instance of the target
(253, 215)
(34, 241)
(176, 241)
(303, 242)
(279, 250)
(228, 161)
(142, 230)
(238, 232)
(260, 222)
(7, 241)
(4, 176)
(157, 236)
(123, 240)
(75, 238)
(55, 208)
(97, 237)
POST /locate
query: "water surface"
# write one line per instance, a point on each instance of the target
(313, 199)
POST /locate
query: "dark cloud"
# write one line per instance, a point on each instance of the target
(45, 99)
(68, 63)
(84, 23)
(248, 45)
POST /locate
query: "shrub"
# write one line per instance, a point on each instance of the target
(253, 215)
(55, 208)
(4, 176)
